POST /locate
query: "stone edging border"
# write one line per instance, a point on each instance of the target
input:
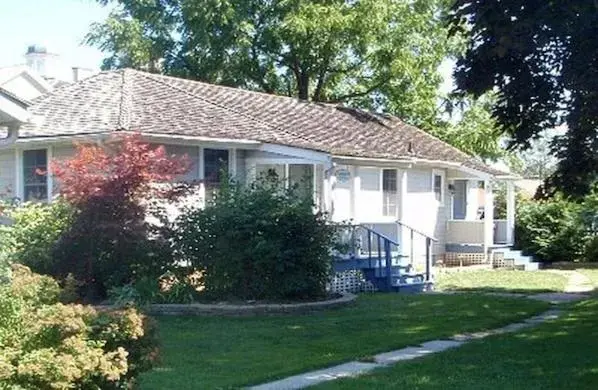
(201, 309)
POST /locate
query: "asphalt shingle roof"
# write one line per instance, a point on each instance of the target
(137, 101)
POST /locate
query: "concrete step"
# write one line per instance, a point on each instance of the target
(519, 259)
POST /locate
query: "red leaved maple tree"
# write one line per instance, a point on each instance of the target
(125, 167)
(108, 242)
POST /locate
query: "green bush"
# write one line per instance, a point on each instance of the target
(36, 231)
(146, 290)
(108, 245)
(552, 230)
(259, 241)
(49, 345)
(591, 250)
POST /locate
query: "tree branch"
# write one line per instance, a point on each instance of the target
(371, 89)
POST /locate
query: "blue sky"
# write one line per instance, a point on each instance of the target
(60, 25)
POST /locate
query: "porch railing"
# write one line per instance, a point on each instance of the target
(378, 249)
(428, 243)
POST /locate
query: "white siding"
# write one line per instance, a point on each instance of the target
(7, 174)
(369, 198)
(423, 212)
(63, 152)
(341, 197)
(241, 167)
(192, 152)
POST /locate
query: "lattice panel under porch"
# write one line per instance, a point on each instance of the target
(351, 281)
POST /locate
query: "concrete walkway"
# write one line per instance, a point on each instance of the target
(355, 368)
(576, 282)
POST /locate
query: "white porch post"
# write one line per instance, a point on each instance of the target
(232, 164)
(200, 163)
(510, 213)
(49, 174)
(488, 216)
(355, 188)
(402, 232)
(18, 191)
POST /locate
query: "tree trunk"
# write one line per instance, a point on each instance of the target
(303, 85)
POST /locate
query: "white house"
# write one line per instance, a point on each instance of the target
(370, 168)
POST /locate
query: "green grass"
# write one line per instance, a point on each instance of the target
(208, 353)
(556, 355)
(502, 280)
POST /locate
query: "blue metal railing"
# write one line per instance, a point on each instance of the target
(376, 247)
(381, 255)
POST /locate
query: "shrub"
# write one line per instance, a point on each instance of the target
(551, 229)
(46, 344)
(591, 250)
(168, 288)
(108, 242)
(36, 230)
(259, 241)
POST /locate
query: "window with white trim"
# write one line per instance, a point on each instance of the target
(389, 192)
(215, 165)
(35, 182)
(438, 186)
(301, 178)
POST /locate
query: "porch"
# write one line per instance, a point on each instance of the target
(474, 230)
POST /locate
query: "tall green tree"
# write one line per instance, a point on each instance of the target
(377, 54)
(541, 56)
(468, 124)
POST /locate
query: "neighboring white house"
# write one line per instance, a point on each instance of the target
(369, 168)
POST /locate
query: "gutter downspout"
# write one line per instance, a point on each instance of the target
(11, 138)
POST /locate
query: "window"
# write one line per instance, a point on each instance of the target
(35, 186)
(301, 177)
(389, 192)
(438, 186)
(460, 199)
(270, 171)
(215, 165)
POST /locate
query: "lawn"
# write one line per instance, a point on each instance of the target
(502, 280)
(208, 353)
(556, 355)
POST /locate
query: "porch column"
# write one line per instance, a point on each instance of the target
(488, 216)
(355, 188)
(18, 190)
(403, 233)
(49, 174)
(510, 213)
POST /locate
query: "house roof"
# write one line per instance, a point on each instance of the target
(9, 73)
(130, 100)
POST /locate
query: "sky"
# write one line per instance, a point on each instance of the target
(60, 25)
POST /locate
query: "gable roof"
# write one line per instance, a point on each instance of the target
(130, 100)
(10, 73)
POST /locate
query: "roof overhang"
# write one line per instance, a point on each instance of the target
(11, 111)
(409, 162)
(149, 137)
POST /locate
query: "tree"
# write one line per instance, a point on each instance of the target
(474, 131)
(373, 54)
(109, 240)
(537, 162)
(542, 59)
